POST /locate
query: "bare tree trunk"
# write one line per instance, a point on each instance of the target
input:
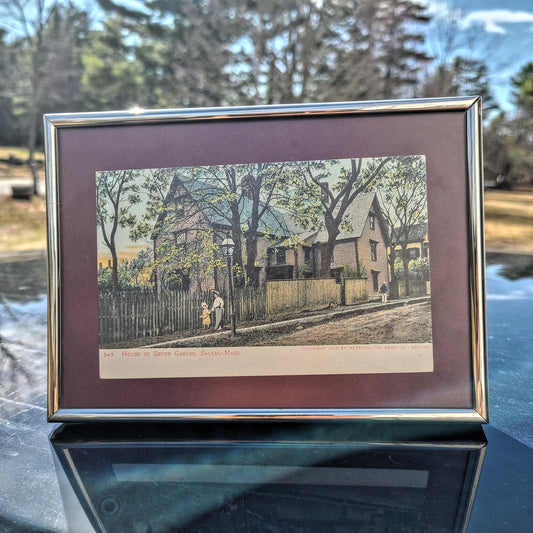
(32, 143)
(405, 262)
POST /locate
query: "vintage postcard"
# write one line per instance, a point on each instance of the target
(261, 269)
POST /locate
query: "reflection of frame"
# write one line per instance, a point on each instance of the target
(267, 262)
(218, 480)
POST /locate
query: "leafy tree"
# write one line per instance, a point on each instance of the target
(116, 192)
(180, 263)
(105, 280)
(183, 49)
(399, 47)
(514, 134)
(242, 196)
(523, 90)
(320, 192)
(112, 76)
(184, 249)
(403, 201)
(350, 70)
(497, 148)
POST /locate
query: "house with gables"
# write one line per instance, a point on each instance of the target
(197, 217)
(360, 248)
(417, 242)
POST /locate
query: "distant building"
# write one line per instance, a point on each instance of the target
(417, 242)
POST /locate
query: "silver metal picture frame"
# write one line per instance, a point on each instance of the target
(150, 194)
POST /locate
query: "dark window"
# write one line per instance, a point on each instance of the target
(179, 205)
(414, 253)
(307, 254)
(372, 221)
(180, 237)
(373, 250)
(375, 280)
(280, 256)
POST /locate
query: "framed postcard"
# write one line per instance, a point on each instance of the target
(278, 262)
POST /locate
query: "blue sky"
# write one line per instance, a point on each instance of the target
(501, 34)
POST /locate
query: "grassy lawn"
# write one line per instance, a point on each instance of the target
(509, 220)
(22, 224)
(18, 171)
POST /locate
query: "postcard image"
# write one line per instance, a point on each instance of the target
(264, 269)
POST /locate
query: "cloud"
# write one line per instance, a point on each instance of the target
(493, 19)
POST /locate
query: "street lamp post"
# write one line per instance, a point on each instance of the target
(227, 248)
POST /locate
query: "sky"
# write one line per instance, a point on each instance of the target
(501, 33)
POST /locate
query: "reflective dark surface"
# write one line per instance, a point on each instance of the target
(313, 477)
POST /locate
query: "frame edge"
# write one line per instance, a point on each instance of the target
(470, 105)
(53, 274)
(477, 266)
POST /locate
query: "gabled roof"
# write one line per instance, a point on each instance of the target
(357, 214)
(217, 213)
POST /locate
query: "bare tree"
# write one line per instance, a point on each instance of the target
(42, 34)
(116, 192)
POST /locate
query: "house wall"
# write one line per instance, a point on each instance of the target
(261, 259)
(191, 217)
(422, 252)
(365, 256)
(344, 254)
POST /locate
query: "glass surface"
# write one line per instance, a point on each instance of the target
(37, 494)
(284, 477)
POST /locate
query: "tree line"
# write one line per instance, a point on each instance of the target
(60, 57)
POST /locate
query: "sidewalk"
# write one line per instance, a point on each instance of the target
(327, 315)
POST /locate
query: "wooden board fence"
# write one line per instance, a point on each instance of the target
(135, 314)
(355, 291)
(284, 296)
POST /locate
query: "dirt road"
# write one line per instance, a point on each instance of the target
(408, 324)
